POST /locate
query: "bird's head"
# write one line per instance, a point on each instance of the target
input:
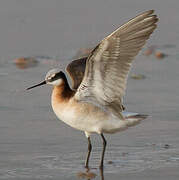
(53, 77)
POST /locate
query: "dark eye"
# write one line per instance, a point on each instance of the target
(50, 78)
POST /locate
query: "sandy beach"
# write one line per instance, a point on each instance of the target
(34, 144)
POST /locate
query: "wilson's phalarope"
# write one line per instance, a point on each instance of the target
(99, 82)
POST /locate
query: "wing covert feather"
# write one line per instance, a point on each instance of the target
(76, 70)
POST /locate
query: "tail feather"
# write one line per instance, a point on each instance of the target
(138, 116)
(134, 118)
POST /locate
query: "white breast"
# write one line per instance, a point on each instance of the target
(66, 114)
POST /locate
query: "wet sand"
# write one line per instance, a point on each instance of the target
(33, 143)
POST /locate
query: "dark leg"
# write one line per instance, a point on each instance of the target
(89, 152)
(101, 173)
(104, 148)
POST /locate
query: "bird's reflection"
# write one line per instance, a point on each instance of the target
(88, 174)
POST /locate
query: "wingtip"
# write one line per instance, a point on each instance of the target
(151, 11)
(147, 13)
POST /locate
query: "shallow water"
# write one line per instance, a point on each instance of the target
(33, 143)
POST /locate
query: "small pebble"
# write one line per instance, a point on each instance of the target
(166, 146)
(160, 55)
(148, 52)
(86, 175)
(25, 62)
(138, 76)
(110, 162)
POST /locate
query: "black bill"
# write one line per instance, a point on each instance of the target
(40, 84)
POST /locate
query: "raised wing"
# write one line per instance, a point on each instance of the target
(108, 65)
(76, 70)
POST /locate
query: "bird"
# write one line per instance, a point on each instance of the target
(94, 101)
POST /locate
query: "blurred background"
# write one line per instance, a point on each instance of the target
(38, 35)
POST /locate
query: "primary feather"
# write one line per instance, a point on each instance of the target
(108, 65)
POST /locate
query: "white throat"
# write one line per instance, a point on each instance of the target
(56, 82)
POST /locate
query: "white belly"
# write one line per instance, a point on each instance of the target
(89, 118)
